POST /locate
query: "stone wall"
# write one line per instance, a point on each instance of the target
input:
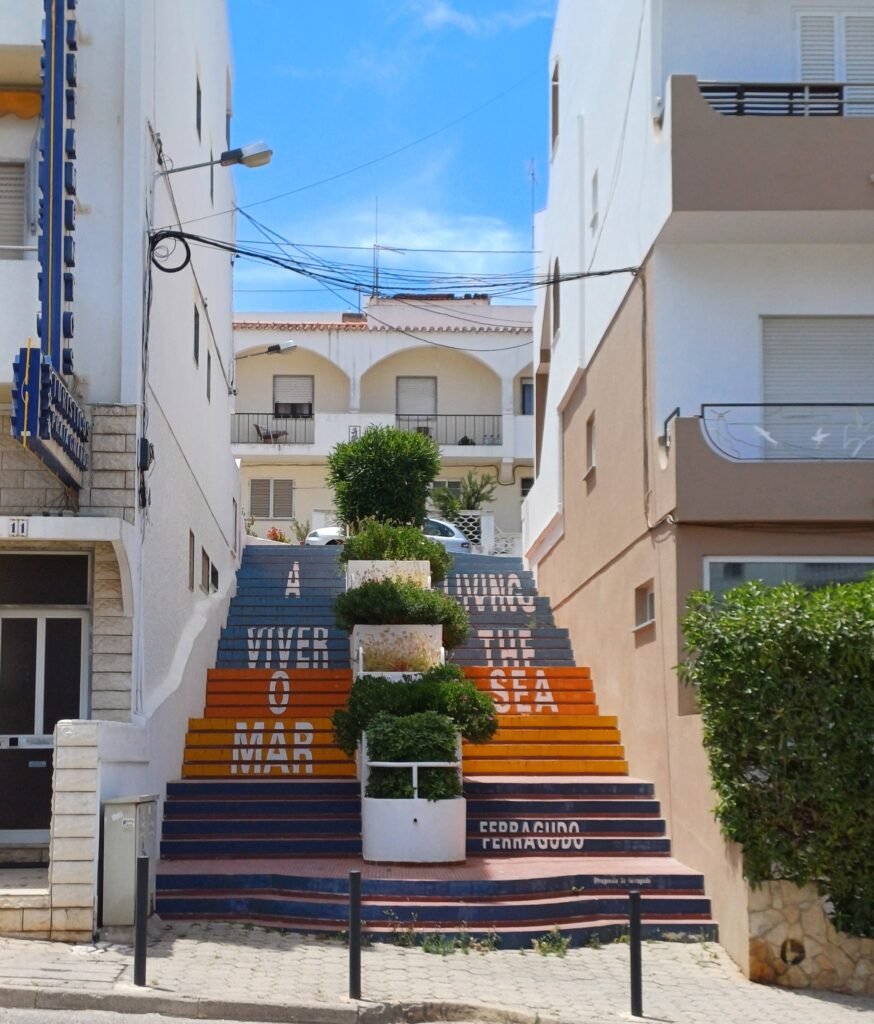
(111, 638)
(110, 484)
(27, 487)
(793, 943)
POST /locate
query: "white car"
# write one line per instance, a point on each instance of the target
(434, 529)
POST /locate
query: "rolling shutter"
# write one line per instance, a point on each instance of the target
(818, 39)
(818, 359)
(259, 499)
(293, 396)
(859, 42)
(12, 204)
(283, 499)
(417, 396)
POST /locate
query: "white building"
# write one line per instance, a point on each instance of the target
(114, 580)
(458, 369)
(705, 419)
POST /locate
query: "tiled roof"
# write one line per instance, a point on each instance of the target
(471, 328)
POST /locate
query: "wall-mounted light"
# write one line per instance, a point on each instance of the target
(280, 346)
(256, 154)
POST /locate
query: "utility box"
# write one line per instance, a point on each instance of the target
(129, 831)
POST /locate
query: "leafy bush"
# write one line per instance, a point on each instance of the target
(475, 492)
(447, 504)
(384, 474)
(401, 602)
(785, 682)
(442, 689)
(427, 736)
(378, 540)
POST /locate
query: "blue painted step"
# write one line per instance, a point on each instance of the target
(312, 846)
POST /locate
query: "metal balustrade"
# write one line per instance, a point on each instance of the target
(801, 432)
(792, 99)
(456, 428)
(265, 428)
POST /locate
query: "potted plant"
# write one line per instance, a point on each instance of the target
(408, 722)
(381, 550)
(397, 626)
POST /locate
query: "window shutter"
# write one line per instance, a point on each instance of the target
(818, 37)
(12, 204)
(819, 359)
(283, 499)
(859, 46)
(292, 389)
(417, 396)
(259, 499)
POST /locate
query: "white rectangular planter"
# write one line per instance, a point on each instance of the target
(396, 647)
(365, 571)
(414, 831)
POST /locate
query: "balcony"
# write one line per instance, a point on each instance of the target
(776, 161)
(462, 430)
(760, 464)
(263, 428)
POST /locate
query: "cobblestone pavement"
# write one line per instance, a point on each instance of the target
(683, 983)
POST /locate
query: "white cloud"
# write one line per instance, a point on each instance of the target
(440, 14)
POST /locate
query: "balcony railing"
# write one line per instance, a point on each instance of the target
(813, 432)
(795, 99)
(456, 428)
(265, 428)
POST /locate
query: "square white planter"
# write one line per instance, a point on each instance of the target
(396, 646)
(364, 571)
(414, 831)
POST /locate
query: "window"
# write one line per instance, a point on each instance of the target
(525, 485)
(554, 105)
(721, 574)
(191, 550)
(838, 46)
(527, 396)
(293, 396)
(204, 571)
(198, 108)
(416, 396)
(13, 205)
(453, 486)
(271, 499)
(644, 605)
(555, 297)
(214, 577)
(590, 446)
(209, 376)
(44, 579)
(196, 336)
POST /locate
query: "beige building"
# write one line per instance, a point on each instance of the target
(706, 418)
(457, 369)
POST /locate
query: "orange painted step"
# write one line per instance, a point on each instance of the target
(225, 755)
(259, 686)
(212, 725)
(557, 736)
(544, 751)
(582, 717)
(530, 671)
(313, 698)
(264, 714)
(266, 674)
(544, 766)
(331, 770)
(218, 740)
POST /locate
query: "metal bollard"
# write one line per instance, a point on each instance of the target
(141, 917)
(634, 948)
(354, 934)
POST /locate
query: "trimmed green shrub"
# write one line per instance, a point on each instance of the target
(442, 689)
(785, 683)
(384, 474)
(378, 540)
(427, 736)
(401, 603)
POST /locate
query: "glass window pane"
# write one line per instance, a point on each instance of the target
(43, 579)
(17, 675)
(725, 575)
(63, 666)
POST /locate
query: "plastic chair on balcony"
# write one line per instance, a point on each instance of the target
(270, 436)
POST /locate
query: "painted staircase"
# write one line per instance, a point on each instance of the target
(264, 824)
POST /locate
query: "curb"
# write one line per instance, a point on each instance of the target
(141, 1002)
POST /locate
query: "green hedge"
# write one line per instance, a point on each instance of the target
(443, 690)
(785, 683)
(401, 602)
(427, 736)
(378, 540)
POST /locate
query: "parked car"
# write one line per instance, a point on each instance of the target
(326, 535)
(444, 533)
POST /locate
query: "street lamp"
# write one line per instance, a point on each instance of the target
(279, 346)
(256, 154)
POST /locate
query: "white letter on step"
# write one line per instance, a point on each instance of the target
(303, 738)
(292, 586)
(499, 692)
(279, 693)
(247, 748)
(276, 750)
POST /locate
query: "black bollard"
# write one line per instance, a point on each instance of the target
(634, 947)
(354, 934)
(141, 917)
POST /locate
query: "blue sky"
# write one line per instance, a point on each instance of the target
(335, 84)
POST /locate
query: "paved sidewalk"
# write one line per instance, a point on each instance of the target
(244, 972)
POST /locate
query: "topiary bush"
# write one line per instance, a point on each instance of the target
(379, 540)
(384, 474)
(426, 736)
(785, 683)
(402, 603)
(442, 689)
